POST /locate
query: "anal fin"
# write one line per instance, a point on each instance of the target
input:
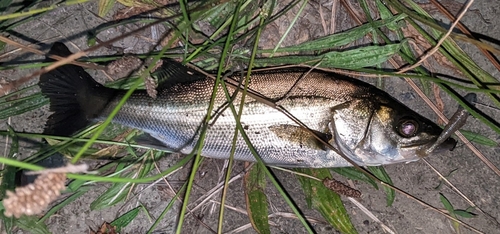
(150, 141)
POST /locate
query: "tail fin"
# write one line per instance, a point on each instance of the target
(75, 97)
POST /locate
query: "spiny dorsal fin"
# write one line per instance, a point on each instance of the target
(172, 72)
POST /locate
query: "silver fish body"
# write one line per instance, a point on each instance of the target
(365, 123)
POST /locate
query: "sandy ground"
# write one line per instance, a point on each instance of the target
(472, 177)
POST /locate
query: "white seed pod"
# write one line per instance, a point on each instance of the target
(33, 198)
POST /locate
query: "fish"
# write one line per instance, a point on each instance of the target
(365, 123)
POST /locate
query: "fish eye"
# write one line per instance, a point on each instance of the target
(407, 127)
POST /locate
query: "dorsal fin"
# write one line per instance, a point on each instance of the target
(172, 72)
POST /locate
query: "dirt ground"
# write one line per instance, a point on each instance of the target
(472, 178)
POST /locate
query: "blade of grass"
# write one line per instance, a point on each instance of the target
(254, 152)
(167, 208)
(104, 7)
(250, 32)
(327, 202)
(44, 9)
(350, 59)
(383, 176)
(8, 179)
(31, 224)
(259, 160)
(256, 199)
(338, 39)
(354, 174)
(80, 192)
(292, 23)
(238, 119)
(22, 105)
(125, 219)
(119, 191)
(201, 49)
(207, 120)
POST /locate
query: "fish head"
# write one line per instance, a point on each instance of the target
(378, 131)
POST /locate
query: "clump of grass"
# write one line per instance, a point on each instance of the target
(233, 23)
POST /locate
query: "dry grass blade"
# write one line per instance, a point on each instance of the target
(466, 32)
(82, 53)
(274, 215)
(443, 38)
(216, 189)
(35, 51)
(459, 192)
(371, 215)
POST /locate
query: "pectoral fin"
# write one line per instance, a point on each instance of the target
(300, 136)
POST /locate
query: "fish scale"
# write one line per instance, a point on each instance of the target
(365, 123)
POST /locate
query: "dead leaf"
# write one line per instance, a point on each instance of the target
(439, 101)
(105, 228)
(123, 67)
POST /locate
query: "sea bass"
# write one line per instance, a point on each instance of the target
(365, 123)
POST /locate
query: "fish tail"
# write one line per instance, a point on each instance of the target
(75, 97)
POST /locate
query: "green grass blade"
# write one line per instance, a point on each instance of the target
(169, 206)
(206, 122)
(338, 39)
(119, 191)
(114, 195)
(31, 224)
(451, 211)
(464, 213)
(386, 14)
(125, 219)
(271, 177)
(350, 59)
(448, 46)
(354, 174)
(327, 202)
(105, 6)
(478, 138)
(37, 11)
(22, 105)
(461, 59)
(256, 199)
(301, 9)
(5, 3)
(382, 175)
(8, 179)
(80, 192)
